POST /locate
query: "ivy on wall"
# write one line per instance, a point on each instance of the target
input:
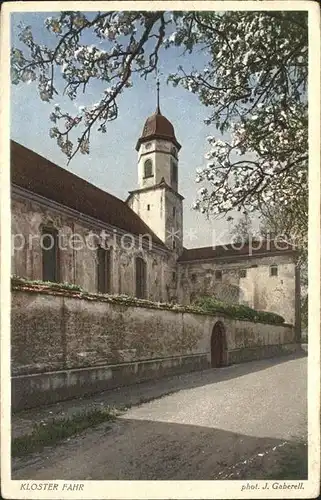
(211, 305)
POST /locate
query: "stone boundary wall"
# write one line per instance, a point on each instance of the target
(64, 346)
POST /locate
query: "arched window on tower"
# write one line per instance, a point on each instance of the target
(140, 278)
(148, 168)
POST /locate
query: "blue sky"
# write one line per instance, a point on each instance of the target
(111, 164)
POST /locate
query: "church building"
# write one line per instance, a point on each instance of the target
(65, 229)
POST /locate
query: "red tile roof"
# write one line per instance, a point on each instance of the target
(236, 251)
(158, 126)
(39, 175)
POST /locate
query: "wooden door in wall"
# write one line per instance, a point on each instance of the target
(218, 346)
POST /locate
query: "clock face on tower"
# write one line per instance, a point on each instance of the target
(148, 145)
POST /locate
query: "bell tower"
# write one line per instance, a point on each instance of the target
(157, 200)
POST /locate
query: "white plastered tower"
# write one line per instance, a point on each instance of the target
(157, 200)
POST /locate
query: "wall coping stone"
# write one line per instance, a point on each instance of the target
(73, 291)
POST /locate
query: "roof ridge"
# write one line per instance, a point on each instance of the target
(217, 252)
(71, 174)
(213, 247)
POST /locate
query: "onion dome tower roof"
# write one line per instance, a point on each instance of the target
(158, 126)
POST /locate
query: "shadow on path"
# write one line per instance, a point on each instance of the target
(149, 450)
(23, 421)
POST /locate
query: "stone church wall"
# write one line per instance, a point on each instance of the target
(63, 346)
(258, 289)
(77, 262)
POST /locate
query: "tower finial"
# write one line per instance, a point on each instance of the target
(157, 91)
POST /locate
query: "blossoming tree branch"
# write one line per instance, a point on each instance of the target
(254, 85)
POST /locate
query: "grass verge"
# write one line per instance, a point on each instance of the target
(292, 463)
(58, 429)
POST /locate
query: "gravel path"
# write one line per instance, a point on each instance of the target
(213, 423)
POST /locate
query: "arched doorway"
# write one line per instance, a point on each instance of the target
(218, 346)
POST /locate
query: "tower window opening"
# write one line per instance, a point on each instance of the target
(173, 172)
(274, 270)
(148, 207)
(174, 244)
(148, 169)
(174, 211)
(218, 275)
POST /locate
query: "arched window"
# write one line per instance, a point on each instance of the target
(49, 247)
(140, 278)
(103, 270)
(148, 168)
